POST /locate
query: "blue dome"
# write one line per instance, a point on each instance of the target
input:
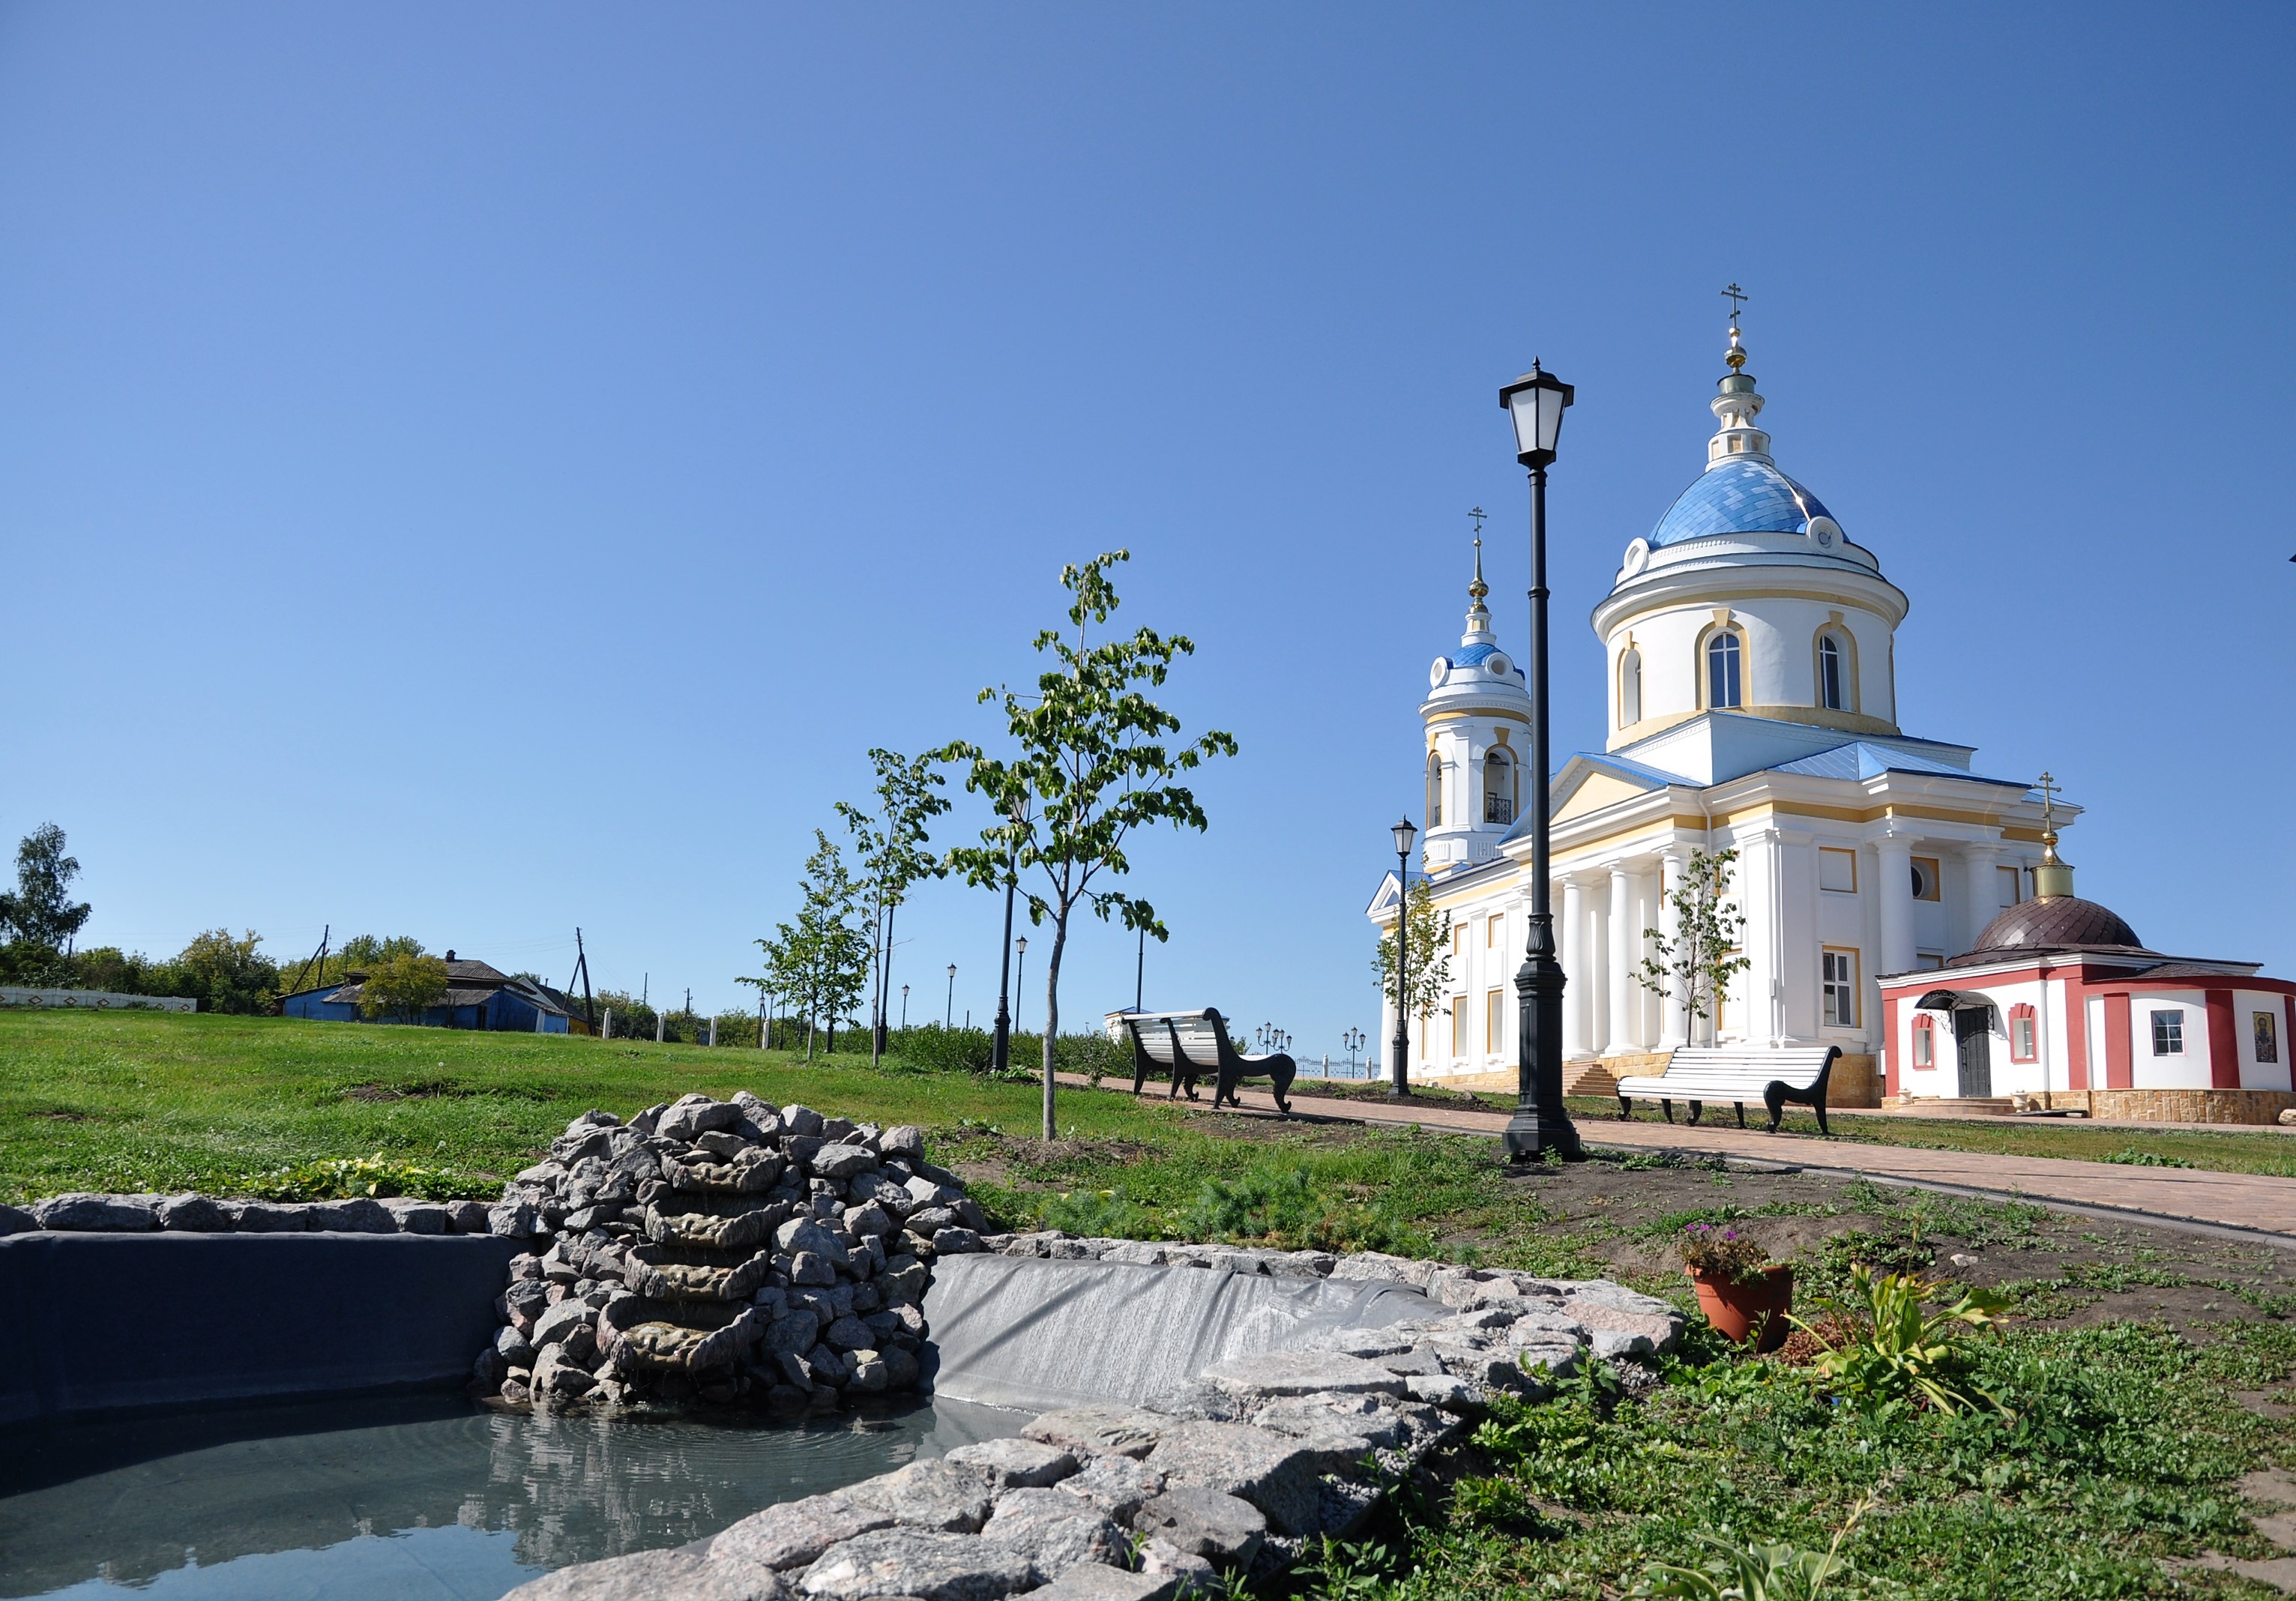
(1475, 655)
(1738, 497)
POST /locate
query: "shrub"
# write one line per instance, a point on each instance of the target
(354, 1178)
(938, 1049)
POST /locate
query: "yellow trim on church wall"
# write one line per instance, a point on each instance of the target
(1596, 791)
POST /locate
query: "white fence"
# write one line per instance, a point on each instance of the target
(90, 1000)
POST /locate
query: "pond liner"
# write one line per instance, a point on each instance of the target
(1039, 1334)
(113, 1322)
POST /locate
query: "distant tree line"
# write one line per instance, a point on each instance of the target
(223, 972)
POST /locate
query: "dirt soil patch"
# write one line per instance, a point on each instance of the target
(2058, 1269)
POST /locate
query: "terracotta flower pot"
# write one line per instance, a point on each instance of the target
(1737, 1309)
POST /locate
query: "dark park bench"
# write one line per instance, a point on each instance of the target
(1737, 1074)
(1187, 1045)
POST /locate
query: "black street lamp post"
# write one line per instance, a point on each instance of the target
(1353, 1040)
(948, 1011)
(1001, 1053)
(1020, 979)
(1399, 1082)
(1535, 402)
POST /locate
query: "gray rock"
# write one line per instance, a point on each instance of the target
(1095, 1430)
(689, 1115)
(958, 1242)
(267, 1217)
(723, 1144)
(557, 1322)
(515, 1349)
(1091, 1582)
(1011, 1464)
(1614, 1344)
(843, 1161)
(793, 1533)
(850, 1333)
(15, 1219)
(930, 1220)
(1350, 1425)
(557, 1379)
(869, 1219)
(80, 1211)
(1057, 1532)
(1660, 1329)
(1377, 1265)
(903, 1139)
(803, 1234)
(1275, 1473)
(915, 1563)
(195, 1214)
(1441, 1389)
(655, 1576)
(359, 1216)
(925, 1192)
(513, 1219)
(932, 1494)
(416, 1217)
(811, 1267)
(801, 1121)
(466, 1217)
(1222, 1529)
(1118, 1485)
(1302, 1373)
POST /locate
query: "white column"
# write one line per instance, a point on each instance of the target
(1896, 864)
(1620, 966)
(1596, 943)
(1674, 1032)
(1575, 986)
(1982, 862)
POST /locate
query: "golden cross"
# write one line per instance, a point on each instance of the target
(1478, 513)
(1734, 295)
(2048, 788)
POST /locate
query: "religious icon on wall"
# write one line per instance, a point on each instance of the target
(2267, 1037)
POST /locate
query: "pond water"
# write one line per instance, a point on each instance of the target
(408, 1498)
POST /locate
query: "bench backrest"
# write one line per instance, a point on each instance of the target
(1199, 1034)
(1793, 1064)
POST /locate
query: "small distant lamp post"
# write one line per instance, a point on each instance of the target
(905, 1008)
(1019, 978)
(1535, 402)
(1353, 1040)
(948, 1011)
(1399, 1079)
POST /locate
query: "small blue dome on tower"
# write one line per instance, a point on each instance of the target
(1742, 497)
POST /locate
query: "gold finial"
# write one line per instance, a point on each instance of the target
(1478, 589)
(2054, 875)
(1737, 355)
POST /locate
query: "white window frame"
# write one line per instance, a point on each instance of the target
(2168, 1031)
(1837, 967)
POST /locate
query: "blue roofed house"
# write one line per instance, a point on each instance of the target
(478, 997)
(1750, 705)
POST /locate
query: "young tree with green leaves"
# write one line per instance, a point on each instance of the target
(1093, 750)
(889, 847)
(42, 912)
(1427, 957)
(820, 964)
(1697, 962)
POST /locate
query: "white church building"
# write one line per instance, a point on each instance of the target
(1752, 705)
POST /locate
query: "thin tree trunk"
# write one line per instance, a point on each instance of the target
(885, 984)
(1053, 1014)
(881, 933)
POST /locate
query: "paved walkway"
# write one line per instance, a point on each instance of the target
(2253, 1204)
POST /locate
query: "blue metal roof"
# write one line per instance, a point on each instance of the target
(1738, 497)
(1471, 655)
(1861, 759)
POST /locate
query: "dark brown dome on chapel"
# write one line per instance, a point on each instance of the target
(2058, 922)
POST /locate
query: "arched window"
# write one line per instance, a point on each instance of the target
(1830, 693)
(1434, 789)
(1498, 788)
(1722, 671)
(1924, 1041)
(1630, 688)
(2021, 1044)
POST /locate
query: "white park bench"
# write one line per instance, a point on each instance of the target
(1737, 1074)
(1189, 1044)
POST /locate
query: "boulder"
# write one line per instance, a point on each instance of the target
(1118, 1486)
(793, 1533)
(913, 1563)
(1055, 1531)
(81, 1211)
(689, 1115)
(515, 1349)
(1090, 1581)
(843, 1161)
(1016, 1464)
(932, 1494)
(416, 1217)
(557, 1379)
(903, 1139)
(958, 1242)
(195, 1214)
(15, 1219)
(466, 1217)
(1094, 1431)
(1280, 1373)
(1275, 1473)
(513, 1219)
(801, 1121)
(655, 1576)
(1223, 1529)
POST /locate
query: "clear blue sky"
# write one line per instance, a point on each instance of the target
(475, 471)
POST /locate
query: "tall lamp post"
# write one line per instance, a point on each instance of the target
(1535, 402)
(948, 1011)
(1000, 1053)
(905, 1008)
(1353, 1040)
(1399, 1082)
(1020, 978)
